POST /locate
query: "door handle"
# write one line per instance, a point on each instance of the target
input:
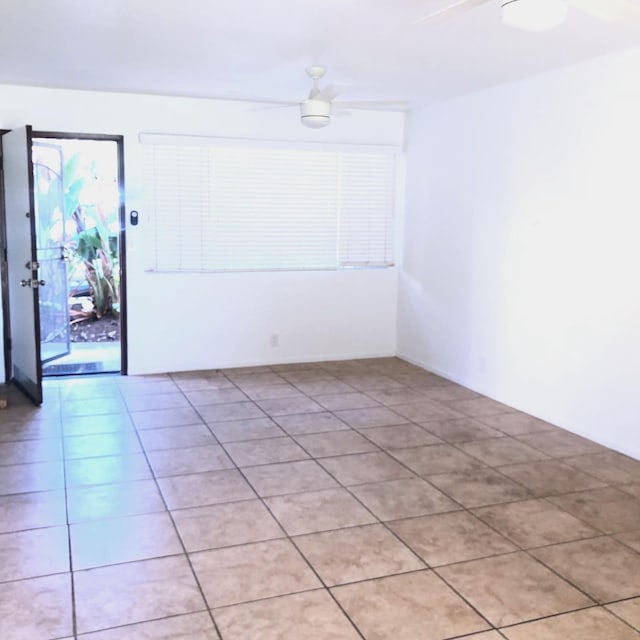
(34, 284)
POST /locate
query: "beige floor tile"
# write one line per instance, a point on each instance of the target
(550, 477)
(30, 451)
(158, 418)
(426, 410)
(373, 383)
(515, 423)
(322, 386)
(373, 417)
(403, 395)
(479, 488)
(252, 572)
(105, 542)
(629, 611)
(107, 470)
(113, 500)
(290, 406)
(204, 397)
(257, 378)
(450, 537)
(273, 391)
(631, 489)
(487, 635)
(269, 451)
(364, 467)
(28, 478)
(31, 430)
(501, 451)
(335, 443)
(602, 567)
(193, 626)
(97, 406)
(103, 444)
(312, 616)
(631, 539)
(226, 525)
(357, 553)
(175, 462)
(200, 489)
(405, 498)
(288, 477)
(479, 407)
(37, 552)
(512, 588)
(343, 401)
(610, 510)
(36, 608)
(414, 606)
(440, 458)
(444, 392)
(609, 467)
(242, 430)
(590, 624)
(318, 511)
(136, 592)
(311, 423)
(534, 523)
(156, 401)
(32, 510)
(460, 430)
(226, 412)
(401, 436)
(177, 437)
(561, 444)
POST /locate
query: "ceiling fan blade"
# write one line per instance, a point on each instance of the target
(278, 105)
(330, 92)
(454, 9)
(373, 104)
(608, 10)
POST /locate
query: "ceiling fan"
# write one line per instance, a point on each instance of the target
(316, 110)
(539, 15)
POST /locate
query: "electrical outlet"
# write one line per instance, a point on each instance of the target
(275, 340)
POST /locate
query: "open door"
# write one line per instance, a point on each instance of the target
(22, 263)
(55, 332)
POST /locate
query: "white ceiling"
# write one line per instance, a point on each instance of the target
(258, 49)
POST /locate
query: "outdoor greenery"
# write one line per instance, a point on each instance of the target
(91, 247)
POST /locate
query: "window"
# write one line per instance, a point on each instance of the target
(220, 206)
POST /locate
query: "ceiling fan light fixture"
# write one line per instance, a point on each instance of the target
(315, 113)
(534, 15)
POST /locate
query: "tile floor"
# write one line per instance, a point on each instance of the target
(328, 501)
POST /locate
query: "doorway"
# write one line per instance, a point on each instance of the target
(78, 197)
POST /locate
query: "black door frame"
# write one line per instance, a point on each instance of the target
(4, 276)
(119, 140)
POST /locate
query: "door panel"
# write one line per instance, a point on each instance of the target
(23, 281)
(55, 331)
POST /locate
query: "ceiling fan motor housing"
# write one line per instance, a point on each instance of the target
(315, 113)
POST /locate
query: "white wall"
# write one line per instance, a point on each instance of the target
(522, 246)
(186, 321)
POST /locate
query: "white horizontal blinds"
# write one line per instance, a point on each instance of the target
(177, 188)
(366, 209)
(273, 209)
(228, 207)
